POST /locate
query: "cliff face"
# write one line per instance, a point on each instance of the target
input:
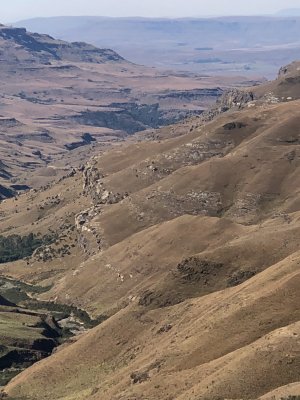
(35, 47)
(132, 117)
(6, 193)
(288, 69)
(285, 88)
(235, 98)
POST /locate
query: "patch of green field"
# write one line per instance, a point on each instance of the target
(19, 327)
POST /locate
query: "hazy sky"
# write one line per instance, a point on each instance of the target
(13, 10)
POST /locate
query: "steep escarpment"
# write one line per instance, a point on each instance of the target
(33, 47)
(131, 117)
(285, 88)
(6, 192)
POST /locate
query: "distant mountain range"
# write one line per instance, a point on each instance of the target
(289, 12)
(227, 45)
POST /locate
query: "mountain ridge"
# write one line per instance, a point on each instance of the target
(35, 43)
(289, 12)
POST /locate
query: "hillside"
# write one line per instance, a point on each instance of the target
(186, 246)
(248, 46)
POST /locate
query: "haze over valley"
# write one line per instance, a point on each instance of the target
(248, 46)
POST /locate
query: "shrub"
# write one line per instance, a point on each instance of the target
(16, 247)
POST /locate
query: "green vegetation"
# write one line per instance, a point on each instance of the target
(17, 292)
(60, 311)
(25, 339)
(7, 375)
(16, 247)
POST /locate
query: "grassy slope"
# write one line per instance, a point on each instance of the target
(186, 333)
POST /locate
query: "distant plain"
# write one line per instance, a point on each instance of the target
(249, 46)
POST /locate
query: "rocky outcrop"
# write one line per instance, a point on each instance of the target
(91, 180)
(195, 269)
(86, 140)
(6, 193)
(193, 94)
(43, 136)
(94, 187)
(288, 69)
(235, 98)
(4, 173)
(283, 71)
(84, 217)
(89, 236)
(9, 122)
(5, 302)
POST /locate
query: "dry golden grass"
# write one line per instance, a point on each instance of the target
(197, 266)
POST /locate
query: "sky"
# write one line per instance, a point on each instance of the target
(15, 10)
